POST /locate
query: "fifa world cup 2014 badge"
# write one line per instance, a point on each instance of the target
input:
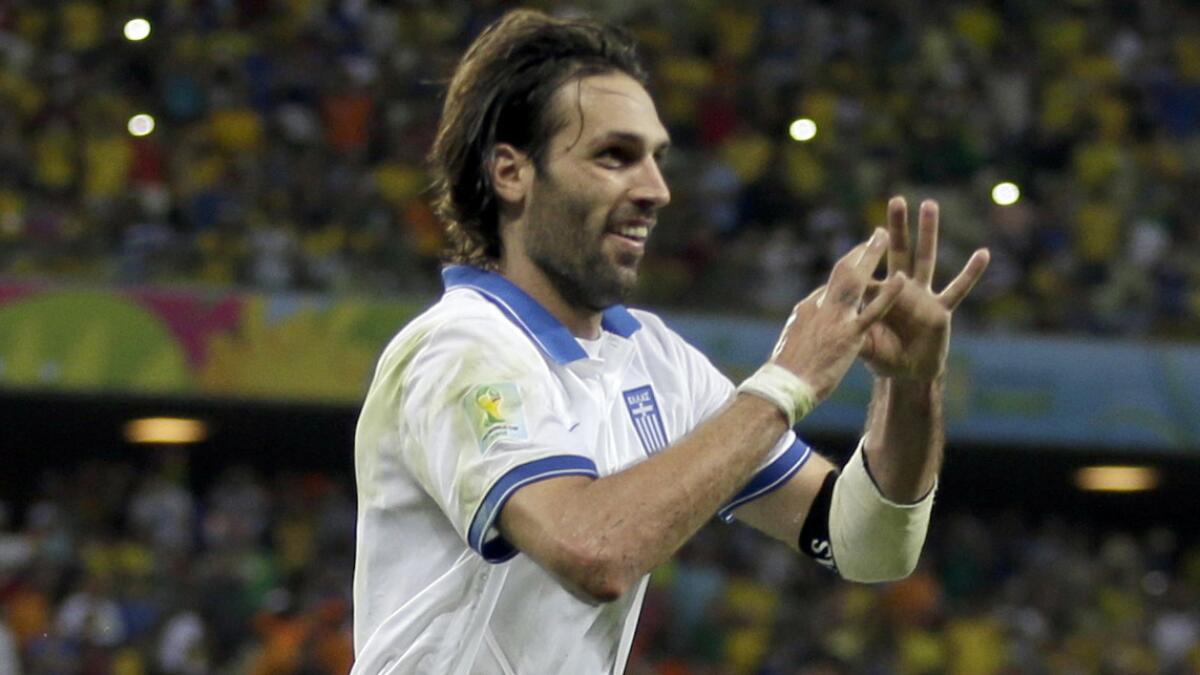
(496, 414)
(647, 421)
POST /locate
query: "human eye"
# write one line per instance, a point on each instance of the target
(615, 156)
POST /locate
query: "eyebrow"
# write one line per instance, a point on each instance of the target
(628, 137)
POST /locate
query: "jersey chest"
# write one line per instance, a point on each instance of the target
(623, 415)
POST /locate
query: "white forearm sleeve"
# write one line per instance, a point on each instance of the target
(873, 538)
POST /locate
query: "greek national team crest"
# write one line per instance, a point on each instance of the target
(496, 414)
(643, 411)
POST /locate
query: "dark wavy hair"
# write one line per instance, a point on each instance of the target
(502, 92)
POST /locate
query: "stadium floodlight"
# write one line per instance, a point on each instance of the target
(1117, 478)
(165, 430)
(141, 125)
(1006, 193)
(802, 130)
(137, 30)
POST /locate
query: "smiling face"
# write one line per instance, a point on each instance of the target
(594, 201)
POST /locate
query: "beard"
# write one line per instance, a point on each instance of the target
(569, 251)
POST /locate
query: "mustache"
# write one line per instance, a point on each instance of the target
(645, 216)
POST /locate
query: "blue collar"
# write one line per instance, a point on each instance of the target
(547, 332)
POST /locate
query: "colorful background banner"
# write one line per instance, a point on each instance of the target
(318, 349)
(184, 343)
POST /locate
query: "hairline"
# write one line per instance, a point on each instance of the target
(561, 121)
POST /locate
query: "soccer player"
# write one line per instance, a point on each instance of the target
(530, 449)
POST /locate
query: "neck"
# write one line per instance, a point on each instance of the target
(582, 322)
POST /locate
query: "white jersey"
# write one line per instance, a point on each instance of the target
(482, 394)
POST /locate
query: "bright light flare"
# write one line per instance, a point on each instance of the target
(166, 430)
(1006, 193)
(141, 125)
(803, 130)
(137, 30)
(1117, 478)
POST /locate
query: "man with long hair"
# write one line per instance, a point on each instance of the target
(530, 448)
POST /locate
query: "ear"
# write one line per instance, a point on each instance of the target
(511, 173)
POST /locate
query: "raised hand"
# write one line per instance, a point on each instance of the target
(912, 339)
(826, 331)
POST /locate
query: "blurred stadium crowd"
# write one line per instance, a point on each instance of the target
(288, 155)
(125, 572)
(288, 152)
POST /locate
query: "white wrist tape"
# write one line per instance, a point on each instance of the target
(795, 397)
(873, 538)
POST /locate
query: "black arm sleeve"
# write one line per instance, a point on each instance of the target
(814, 535)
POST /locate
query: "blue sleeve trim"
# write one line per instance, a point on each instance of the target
(496, 549)
(769, 478)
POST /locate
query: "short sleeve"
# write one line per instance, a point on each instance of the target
(711, 390)
(785, 459)
(484, 417)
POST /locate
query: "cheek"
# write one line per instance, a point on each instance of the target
(587, 217)
(581, 204)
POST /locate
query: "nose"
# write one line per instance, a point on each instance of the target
(651, 189)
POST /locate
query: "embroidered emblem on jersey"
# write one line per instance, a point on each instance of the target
(495, 413)
(643, 411)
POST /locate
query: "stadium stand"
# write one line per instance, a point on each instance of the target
(125, 570)
(289, 141)
(288, 155)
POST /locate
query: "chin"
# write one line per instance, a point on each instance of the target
(625, 288)
(625, 278)
(615, 290)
